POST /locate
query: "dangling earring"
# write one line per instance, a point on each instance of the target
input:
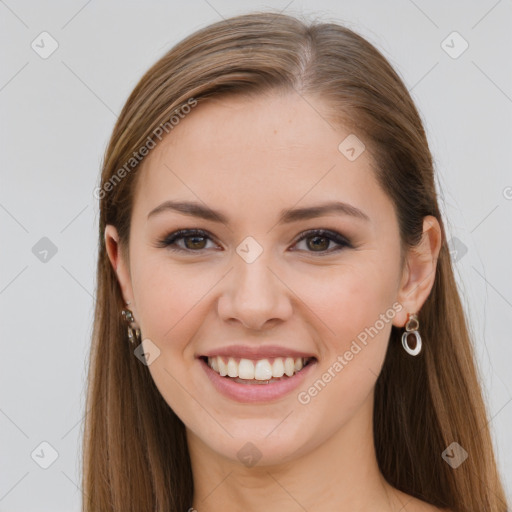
(411, 327)
(133, 332)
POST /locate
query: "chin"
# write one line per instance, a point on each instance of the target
(258, 442)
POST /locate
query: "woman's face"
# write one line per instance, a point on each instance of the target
(249, 288)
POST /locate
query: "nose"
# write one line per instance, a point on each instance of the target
(255, 295)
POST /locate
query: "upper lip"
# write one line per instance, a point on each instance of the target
(260, 352)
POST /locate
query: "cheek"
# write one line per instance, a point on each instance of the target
(348, 300)
(172, 302)
(168, 297)
(353, 320)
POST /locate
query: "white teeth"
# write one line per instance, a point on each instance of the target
(223, 367)
(232, 368)
(278, 367)
(246, 369)
(289, 366)
(261, 369)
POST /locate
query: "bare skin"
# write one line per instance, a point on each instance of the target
(249, 159)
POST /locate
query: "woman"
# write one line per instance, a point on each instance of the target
(277, 322)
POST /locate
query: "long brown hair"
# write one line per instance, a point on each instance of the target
(135, 449)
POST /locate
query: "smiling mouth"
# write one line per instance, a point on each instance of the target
(257, 371)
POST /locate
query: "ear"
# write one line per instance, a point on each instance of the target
(419, 271)
(120, 266)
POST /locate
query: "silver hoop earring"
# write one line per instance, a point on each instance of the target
(133, 332)
(411, 327)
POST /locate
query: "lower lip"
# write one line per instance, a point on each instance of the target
(256, 392)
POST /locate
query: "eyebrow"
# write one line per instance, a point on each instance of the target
(286, 216)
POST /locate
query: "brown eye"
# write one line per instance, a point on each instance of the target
(194, 240)
(318, 240)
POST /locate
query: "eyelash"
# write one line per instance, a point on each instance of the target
(169, 241)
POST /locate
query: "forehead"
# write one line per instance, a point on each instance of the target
(254, 154)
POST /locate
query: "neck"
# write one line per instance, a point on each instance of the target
(339, 474)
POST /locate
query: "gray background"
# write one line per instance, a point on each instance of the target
(56, 117)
